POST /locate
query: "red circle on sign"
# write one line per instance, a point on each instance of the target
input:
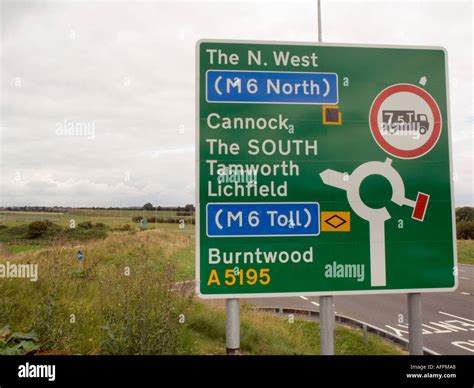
(376, 133)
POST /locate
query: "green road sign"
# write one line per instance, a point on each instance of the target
(322, 169)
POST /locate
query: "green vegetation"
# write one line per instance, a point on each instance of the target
(86, 231)
(466, 251)
(148, 206)
(123, 300)
(118, 301)
(178, 219)
(13, 234)
(46, 232)
(42, 230)
(185, 261)
(465, 223)
(465, 234)
(96, 308)
(111, 218)
(18, 248)
(25, 231)
(16, 228)
(17, 344)
(265, 334)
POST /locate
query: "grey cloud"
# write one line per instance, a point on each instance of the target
(128, 68)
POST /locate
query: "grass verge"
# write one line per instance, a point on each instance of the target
(266, 334)
(119, 301)
(466, 252)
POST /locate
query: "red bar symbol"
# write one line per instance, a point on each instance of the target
(420, 206)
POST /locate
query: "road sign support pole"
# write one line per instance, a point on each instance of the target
(326, 325)
(232, 326)
(415, 330)
(320, 34)
(326, 306)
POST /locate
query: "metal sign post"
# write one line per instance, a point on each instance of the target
(326, 305)
(327, 325)
(232, 327)
(415, 335)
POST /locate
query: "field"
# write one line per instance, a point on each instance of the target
(118, 219)
(111, 218)
(14, 226)
(124, 296)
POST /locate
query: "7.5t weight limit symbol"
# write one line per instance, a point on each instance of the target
(376, 217)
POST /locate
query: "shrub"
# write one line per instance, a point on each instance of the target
(13, 234)
(465, 230)
(169, 220)
(85, 225)
(42, 229)
(17, 343)
(81, 234)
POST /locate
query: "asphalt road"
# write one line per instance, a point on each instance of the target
(448, 317)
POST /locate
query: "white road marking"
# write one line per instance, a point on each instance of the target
(315, 303)
(397, 332)
(456, 316)
(465, 293)
(460, 277)
(466, 345)
(304, 297)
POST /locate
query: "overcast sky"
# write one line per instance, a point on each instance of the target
(120, 76)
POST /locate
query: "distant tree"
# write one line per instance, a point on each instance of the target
(465, 223)
(189, 207)
(148, 206)
(465, 230)
(465, 214)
